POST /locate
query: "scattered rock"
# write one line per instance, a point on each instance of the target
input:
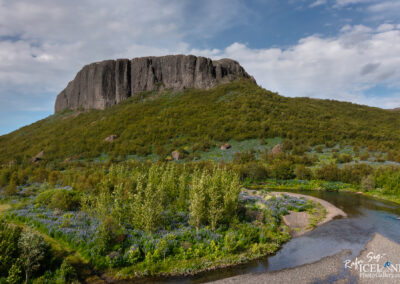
(38, 157)
(111, 138)
(277, 150)
(176, 155)
(225, 146)
(103, 84)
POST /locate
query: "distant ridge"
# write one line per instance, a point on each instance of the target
(103, 84)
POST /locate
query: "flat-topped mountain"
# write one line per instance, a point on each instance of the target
(103, 84)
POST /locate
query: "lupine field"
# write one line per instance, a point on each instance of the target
(159, 219)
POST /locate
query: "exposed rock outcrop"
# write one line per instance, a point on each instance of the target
(176, 155)
(111, 138)
(38, 157)
(277, 150)
(103, 84)
(225, 146)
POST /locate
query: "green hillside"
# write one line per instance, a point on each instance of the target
(94, 205)
(196, 120)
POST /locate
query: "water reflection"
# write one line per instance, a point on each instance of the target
(365, 217)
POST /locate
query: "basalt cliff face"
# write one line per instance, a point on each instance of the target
(103, 84)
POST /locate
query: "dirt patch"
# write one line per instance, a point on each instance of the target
(298, 222)
(297, 219)
(301, 222)
(4, 207)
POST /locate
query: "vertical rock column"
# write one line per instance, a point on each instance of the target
(103, 84)
(122, 80)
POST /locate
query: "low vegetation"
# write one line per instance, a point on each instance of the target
(128, 209)
(196, 120)
(152, 219)
(25, 256)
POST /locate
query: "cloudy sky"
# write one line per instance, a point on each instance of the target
(338, 49)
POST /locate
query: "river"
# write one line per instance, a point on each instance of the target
(365, 217)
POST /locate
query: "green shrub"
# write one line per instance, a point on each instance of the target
(302, 172)
(319, 149)
(68, 272)
(64, 200)
(244, 157)
(368, 183)
(329, 172)
(133, 255)
(61, 199)
(15, 273)
(33, 249)
(107, 233)
(230, 241)
(254, 171)
(388, 179)
(282, 169)
(9, 252)
(4, 177)
(345, 158)
(364, 156)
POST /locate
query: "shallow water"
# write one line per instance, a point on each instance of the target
(366, 217)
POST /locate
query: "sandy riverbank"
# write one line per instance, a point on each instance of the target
(316, 272)
(382, 250)
(330, 269)
(299, 222)
(331, 210)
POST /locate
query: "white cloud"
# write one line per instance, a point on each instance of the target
(343, 3)
(385, 6)
(341, 68)
(378, 9)
(318, 3)
(43, 43)
(385, 27)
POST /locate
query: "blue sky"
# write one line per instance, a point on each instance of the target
(338, 49)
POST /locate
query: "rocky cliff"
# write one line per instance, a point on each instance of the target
(103, 84)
